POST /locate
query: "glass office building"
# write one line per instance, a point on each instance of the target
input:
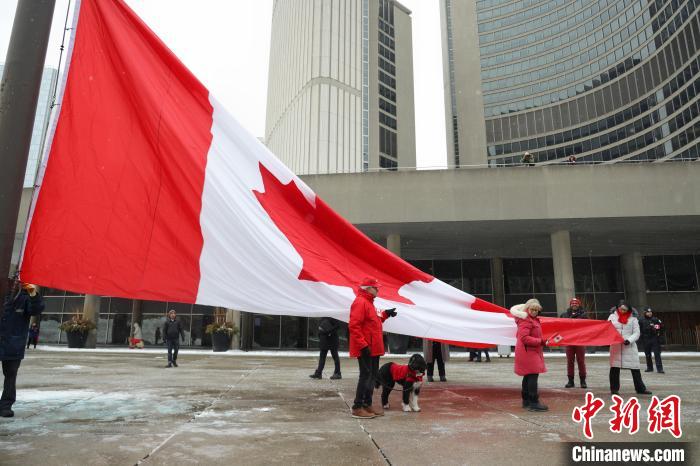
(600, 80)
(41, 123)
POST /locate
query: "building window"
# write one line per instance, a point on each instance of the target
(387, 163)
(387, 142)
(671, 273)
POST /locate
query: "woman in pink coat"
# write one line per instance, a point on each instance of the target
(529, 357)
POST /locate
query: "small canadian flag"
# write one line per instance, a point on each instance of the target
(151, 190)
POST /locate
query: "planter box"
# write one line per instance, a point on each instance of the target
(220, 341)
(76, 339)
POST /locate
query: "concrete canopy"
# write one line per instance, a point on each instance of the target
(511, 212)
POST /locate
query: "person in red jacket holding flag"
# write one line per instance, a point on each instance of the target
(366, 344)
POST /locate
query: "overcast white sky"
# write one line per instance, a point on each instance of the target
(226, 43)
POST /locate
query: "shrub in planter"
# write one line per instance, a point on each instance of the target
(221, 334)
(77, 330)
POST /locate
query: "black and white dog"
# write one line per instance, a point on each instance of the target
(410, 377)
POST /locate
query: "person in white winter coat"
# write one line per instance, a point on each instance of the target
(625, 355)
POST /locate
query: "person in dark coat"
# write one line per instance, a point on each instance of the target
(652, 335)
(575, 353)
(33, 336)
(435, 351)
(367, 345)
(21, 303)
(328, 340)
(529, 354)
(172, 330)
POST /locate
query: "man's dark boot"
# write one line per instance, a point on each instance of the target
(430, 378)
(336, 376)
(649, 369)
(583, 382)
(488, 358)
(316, 375)
(6, 412)
(570, 383)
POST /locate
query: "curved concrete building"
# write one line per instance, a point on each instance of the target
(340, 90)
(601, 80)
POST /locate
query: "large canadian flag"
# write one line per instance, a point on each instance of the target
(151, 190)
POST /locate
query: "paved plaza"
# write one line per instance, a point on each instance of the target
(125, 408)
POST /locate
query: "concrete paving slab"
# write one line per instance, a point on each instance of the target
(126, 408)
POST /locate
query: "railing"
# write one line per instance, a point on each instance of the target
(494, 164)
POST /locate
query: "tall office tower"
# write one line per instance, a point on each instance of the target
(41, 123)
(601, 80)
(340, 90)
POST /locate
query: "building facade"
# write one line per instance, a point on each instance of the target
(41, 123)
(340, 90)
(600, 80)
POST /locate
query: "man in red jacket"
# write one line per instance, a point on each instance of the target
(366, 344)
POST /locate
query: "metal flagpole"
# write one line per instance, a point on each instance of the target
(19, 92)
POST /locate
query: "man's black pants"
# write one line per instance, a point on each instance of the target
(369, 372)
(173, 348)
(437, 356)
(652, 345)
(9, 390)
(322, 360)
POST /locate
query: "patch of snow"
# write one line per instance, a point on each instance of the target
(70, 367)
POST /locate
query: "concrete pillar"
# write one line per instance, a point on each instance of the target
(393, 243)
(91, 311)
(635, 284)
(563, 269)
(136, 315)
(499, 292)
(233, 316)
(398, 344)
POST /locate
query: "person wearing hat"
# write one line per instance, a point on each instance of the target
(367, 345)
(625, 355)
(577, 353)
(652, 335)
(529, 354)
(21, 304)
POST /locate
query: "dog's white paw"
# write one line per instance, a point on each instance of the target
(406, 409)
(386, 406)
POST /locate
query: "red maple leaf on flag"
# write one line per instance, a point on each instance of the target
(332, 249)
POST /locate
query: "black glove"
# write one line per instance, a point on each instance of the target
(627, 342)
(365, 352)
(390, 312)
